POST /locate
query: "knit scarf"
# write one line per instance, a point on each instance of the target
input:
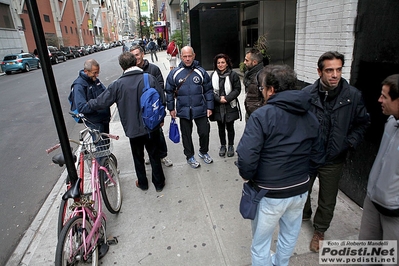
(217, 83)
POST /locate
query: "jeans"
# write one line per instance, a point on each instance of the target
(153, 52)
(287, 213)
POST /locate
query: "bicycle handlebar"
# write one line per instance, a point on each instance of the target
(56, 146)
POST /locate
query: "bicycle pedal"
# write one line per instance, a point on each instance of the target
(112, 241)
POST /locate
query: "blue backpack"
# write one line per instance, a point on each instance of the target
(152, 109)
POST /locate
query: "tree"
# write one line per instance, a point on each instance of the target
(177, 37)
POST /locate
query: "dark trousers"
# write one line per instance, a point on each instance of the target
(230, 132)
(203, 129)
(153, 52)
(329, 176)
(137, 146)
(163, 149)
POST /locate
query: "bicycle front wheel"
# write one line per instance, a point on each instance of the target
(110, 189)
(70, 249)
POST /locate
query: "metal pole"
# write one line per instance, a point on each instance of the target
(52, 92)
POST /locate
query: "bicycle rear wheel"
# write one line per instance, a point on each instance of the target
(70, 249)
(110, 189)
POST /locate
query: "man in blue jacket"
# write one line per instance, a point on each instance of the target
(191, 85)
(87, 86)
(380, 220)
(278, 151)
(126, 92)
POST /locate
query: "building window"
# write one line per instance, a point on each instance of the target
(6, 21)
(71, 30)
(66, 29)
(46, 18)
(76, 30)
(23, 24)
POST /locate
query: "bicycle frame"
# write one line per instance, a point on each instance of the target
(94, 211)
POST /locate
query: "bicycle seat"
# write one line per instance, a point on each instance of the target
(60, 160)
(73, 191)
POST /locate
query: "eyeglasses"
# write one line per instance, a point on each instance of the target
(260, 88)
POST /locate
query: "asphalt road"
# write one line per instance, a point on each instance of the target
(27, 129)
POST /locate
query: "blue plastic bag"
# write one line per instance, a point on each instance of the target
(174, 134)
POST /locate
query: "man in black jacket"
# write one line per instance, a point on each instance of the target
(343, 121)
(152, 69)
(278, 151)
(126, 92)
(253, 97)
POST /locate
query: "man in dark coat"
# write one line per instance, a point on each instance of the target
(278, 151)
(152, 69)
(126, 92)
(343, 119)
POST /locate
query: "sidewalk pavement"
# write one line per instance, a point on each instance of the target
(193, 221)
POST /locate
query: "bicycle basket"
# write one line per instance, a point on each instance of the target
(97, 150)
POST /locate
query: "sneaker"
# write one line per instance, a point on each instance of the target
(207, 159)
(314, 243)
(222, 151)
(230, 151)
(167, 162)
(193, 162)
(147, 160)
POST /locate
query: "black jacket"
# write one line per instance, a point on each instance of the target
(280, 146)
(126, 92)
(347, 123)
(224, 112)
(254, 98)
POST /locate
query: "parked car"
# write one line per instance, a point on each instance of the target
(56, 55)
(70, 52)
(82, 51)
(95, 48)
(20, 62)
(89, 49)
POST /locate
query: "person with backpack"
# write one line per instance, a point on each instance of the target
(152, 47)
(127, 92)
(152, 69)
(85, 87)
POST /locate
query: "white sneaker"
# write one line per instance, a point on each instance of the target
(167, 162)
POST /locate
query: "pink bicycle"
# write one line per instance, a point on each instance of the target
(83, 238)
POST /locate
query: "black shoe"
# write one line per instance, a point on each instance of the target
(222, 151)
(230, 151)
(142, 188)
(159, 189)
